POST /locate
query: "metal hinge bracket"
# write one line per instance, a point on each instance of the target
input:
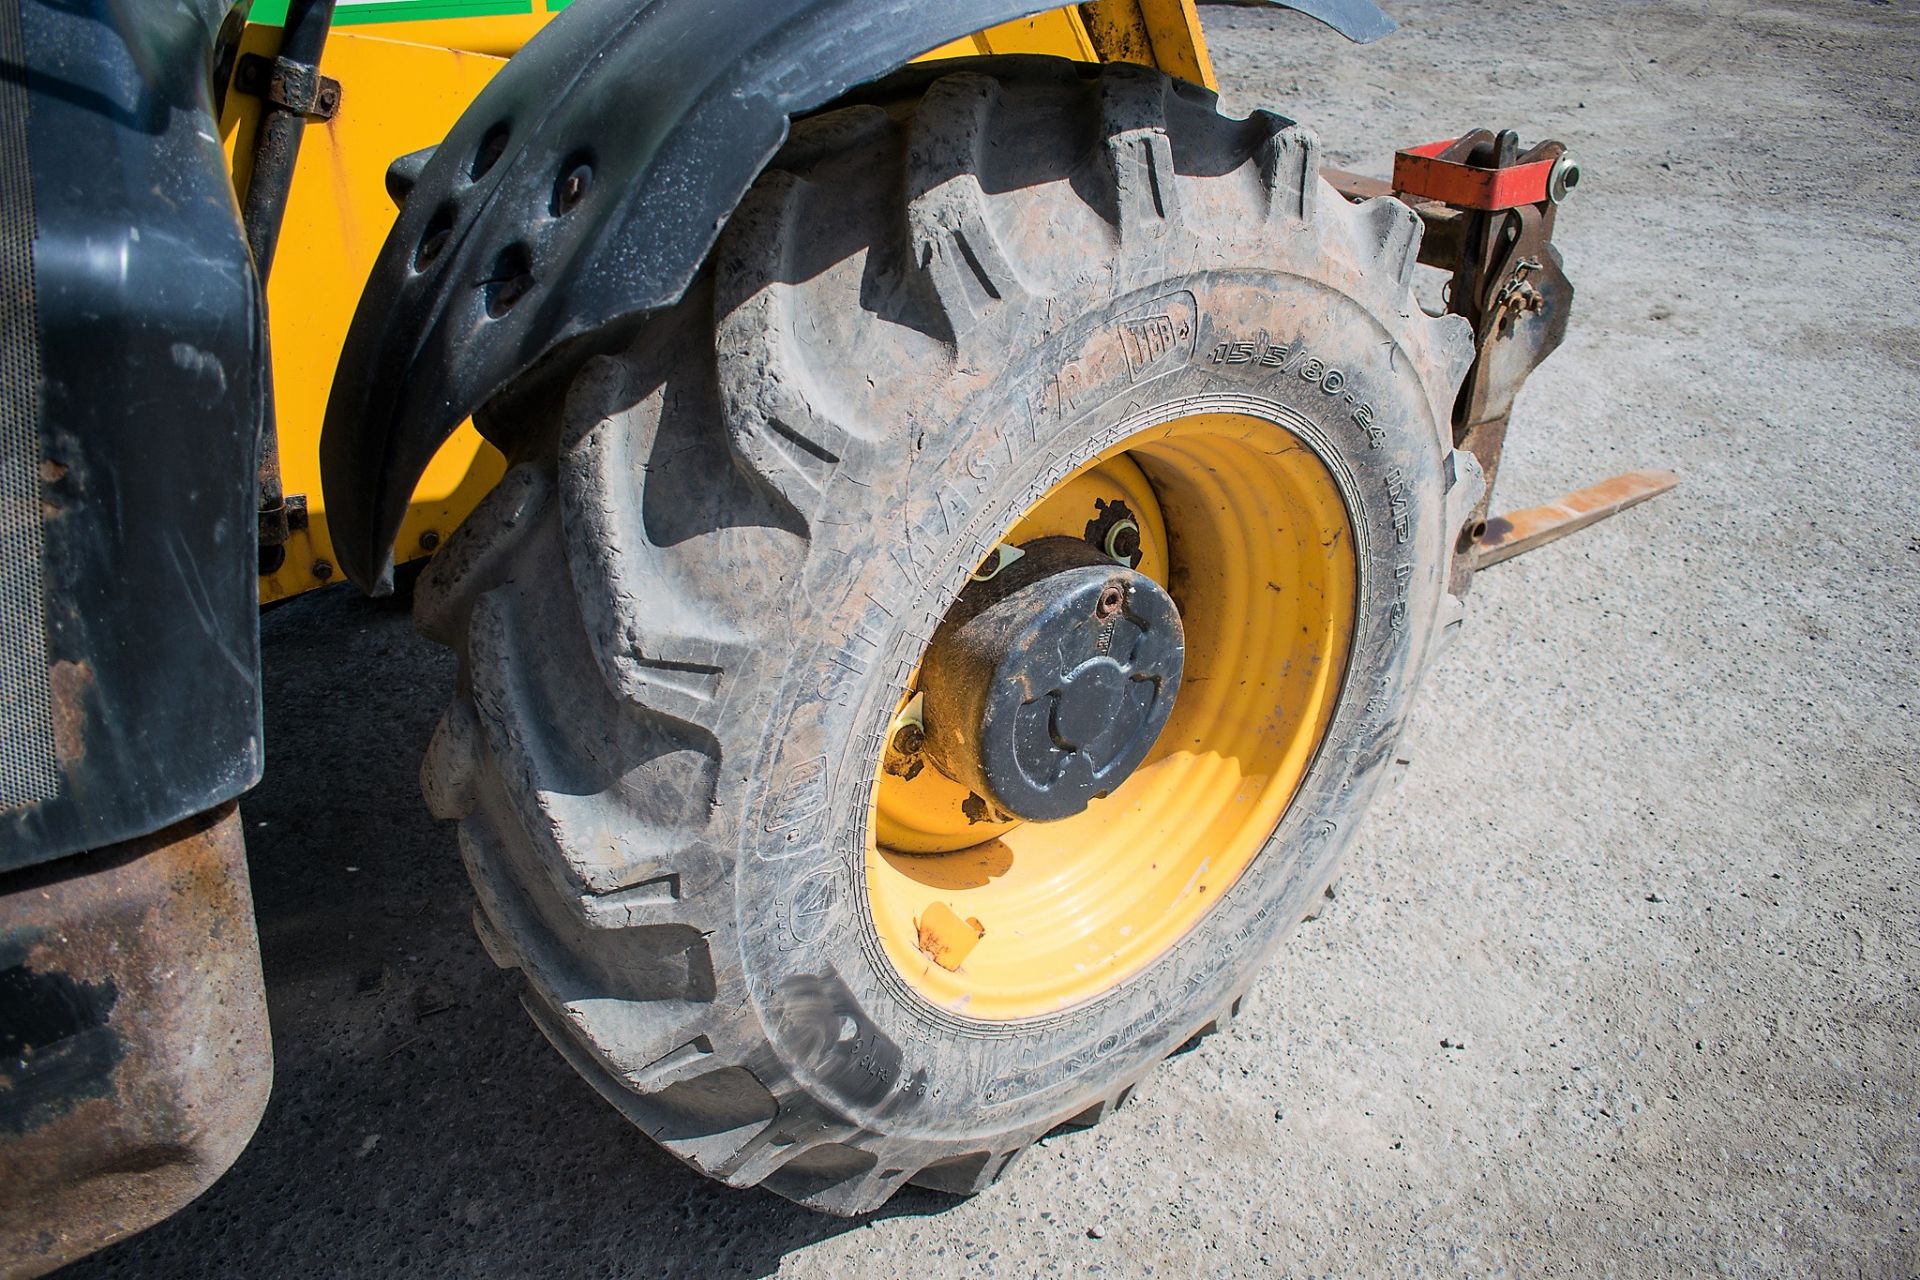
(294, 85)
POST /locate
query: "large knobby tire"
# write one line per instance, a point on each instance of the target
(686, 618)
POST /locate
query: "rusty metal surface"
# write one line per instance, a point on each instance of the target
(1506, 278)
(1519, 302)
(1445, 171)
(1507, 282)
(1518, 532)
(134, 1053)
(1487, 208)
(1358, 186)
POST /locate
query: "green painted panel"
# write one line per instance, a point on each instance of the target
(362, 12)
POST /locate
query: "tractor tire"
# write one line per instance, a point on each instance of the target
(977, 307)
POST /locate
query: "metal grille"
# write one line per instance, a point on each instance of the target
(29, 769)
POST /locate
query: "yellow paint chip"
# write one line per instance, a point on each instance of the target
(945, 938)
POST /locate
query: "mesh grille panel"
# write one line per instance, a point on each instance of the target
(29, 770)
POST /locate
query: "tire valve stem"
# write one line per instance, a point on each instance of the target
(997, 559)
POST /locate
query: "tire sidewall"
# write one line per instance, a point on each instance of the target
(907, 528)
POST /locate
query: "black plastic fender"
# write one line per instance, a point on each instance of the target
(1361, 21)
(581, 189)
(133, 357)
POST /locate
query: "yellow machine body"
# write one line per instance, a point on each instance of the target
(407, 69)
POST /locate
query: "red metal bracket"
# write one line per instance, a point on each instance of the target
(1427, 172)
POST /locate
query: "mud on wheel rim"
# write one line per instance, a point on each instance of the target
(998, 918)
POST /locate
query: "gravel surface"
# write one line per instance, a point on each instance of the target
(1620, 981)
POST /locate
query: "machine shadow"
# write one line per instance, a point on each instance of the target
(419, 1121)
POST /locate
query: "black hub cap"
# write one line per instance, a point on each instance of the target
(1048, 683)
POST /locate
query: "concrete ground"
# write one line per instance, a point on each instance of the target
(1622, 980)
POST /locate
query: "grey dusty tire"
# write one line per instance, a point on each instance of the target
(684, 615)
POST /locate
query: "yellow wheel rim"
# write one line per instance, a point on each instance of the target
(1245, 526)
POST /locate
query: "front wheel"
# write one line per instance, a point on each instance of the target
(907, 690)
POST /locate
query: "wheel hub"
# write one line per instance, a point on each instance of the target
(1049, 682)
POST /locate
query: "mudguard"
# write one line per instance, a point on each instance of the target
(1361, 21)
(132, 350)
(581, 190)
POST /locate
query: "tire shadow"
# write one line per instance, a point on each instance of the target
(419, 1121)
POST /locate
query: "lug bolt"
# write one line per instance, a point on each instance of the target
(432, 247)
(429, 540)
(502, 294)
(435, 239)
(1563, 177)
(492, 146)
(909, 739)
(572, 188)
(322, 570)
(1123, 542)
(512, 280)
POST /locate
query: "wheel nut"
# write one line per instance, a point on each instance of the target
(909, 739)
(1563, 177)
(432, 246)
(1041, 694)
(572, 186)
(1123, 542)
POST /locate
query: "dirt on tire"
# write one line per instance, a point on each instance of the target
(682, 617)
